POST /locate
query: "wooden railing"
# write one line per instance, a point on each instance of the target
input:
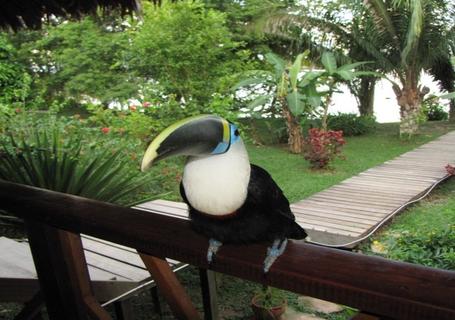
(374, 285)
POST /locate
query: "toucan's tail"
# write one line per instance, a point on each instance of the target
(296, 232)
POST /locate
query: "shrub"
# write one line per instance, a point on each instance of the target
(433, 248)
(321, 147)
(433, 111)
(351, 124)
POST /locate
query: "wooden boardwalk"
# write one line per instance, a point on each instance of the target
(350, 210)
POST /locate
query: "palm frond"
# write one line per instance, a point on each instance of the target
(382, 18)
(414, 31)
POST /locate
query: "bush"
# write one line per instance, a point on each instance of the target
(433, 248)
(264, 131)
(321, 147)
(433, 111)
(351, 124)
(64, 154)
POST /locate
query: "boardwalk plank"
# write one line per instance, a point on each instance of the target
(354, 200)
(365, 195)
(368, 191)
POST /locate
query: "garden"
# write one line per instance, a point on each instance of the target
(80, 101)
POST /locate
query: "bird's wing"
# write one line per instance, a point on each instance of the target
(183, 194)
(263, 188)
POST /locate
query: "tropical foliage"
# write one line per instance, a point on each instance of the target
(14, 80)
(403, 38)
(289, 93)
(76, 61)
(298, 90)
(62, 155)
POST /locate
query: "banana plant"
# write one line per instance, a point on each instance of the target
(298, 88)
(293, 93)
(333, 75)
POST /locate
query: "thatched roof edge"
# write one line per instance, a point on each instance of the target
(18, 14)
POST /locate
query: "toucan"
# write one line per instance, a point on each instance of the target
(230, 200)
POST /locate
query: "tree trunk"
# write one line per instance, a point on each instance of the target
(366, 96)
(409, 99)
(452, 111)
(295, 140)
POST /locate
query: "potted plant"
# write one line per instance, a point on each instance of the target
(268, 304)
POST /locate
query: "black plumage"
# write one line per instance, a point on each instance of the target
(265, 215)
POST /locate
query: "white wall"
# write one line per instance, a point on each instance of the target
(385, 106)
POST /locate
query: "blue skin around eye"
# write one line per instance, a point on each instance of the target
(234, 137)
(222, 147)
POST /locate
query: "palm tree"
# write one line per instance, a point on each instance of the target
(403, 37)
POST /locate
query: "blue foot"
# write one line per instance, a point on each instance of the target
(214, 245)
(274, 252)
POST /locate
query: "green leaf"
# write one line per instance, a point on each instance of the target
(309, 77)
(313, 96)
(345, 74)
(351, 66)
(329, 62)
(259, 101)
(382, 17)
(296, 105)
(278, 63)
(248, 82)
(295, 69)
(415, 27)
(367, 73)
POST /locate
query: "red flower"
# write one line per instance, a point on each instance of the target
(450, 169)
(18, 110)
(105, 130)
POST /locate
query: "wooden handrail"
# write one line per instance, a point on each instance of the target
(372, 284)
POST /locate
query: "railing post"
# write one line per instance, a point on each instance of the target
(168, 284)
(63, 275)
(209, 296)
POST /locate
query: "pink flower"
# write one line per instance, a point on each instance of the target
(105, 130)
(450, 169)
(18, 110)
(146, 104)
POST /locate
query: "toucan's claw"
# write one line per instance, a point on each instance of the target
(214, 245)
(274, 252)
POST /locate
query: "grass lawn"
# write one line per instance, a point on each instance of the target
(298, 181)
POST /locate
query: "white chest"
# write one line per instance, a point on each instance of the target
(218, 184)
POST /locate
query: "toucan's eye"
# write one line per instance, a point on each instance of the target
(236, 132)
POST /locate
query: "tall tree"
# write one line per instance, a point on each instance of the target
(77, 60)
(14, 80)
(187, 50)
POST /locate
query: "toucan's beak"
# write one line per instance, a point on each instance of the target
(200, 135)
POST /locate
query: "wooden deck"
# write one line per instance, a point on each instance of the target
(350, 210)
(116, 271)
